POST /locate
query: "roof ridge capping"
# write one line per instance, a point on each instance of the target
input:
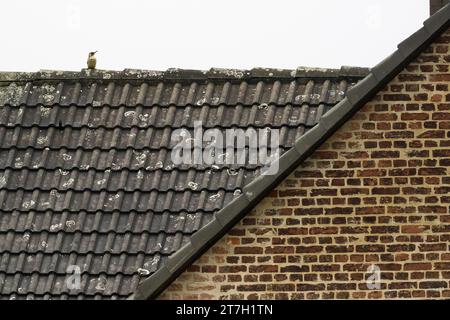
(186, 74)
(344, 72)
(357, 96)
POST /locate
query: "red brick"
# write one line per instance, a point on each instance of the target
(440, 77)
(385, 154)
(414, 229)
(418, 266)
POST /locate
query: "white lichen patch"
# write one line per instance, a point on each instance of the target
(63, 172)
(214, 197)
(48, 98)
(2, 181)
(101, 284)
(55, 193)
(293, 120)
(232, 72)
(300, 97)
(315, 96)
(66, 157)
(48, 93)
(152, 264)
(140, 157)
(192, 185)
(143, 272)
(263, 106)
(18, 163)
(11, 94)
(42, 140)
(26, 237)
(89, 134)
(201, 101)
(309, 69)
(114, 197)
(70, 224)
(28, 204)
(68, 183)
(45, 111)
(101, 182)
(115, 166)
(215, 100)
(144, 117)
(173, 70)
(56, 227)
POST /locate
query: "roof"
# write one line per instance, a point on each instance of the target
(86, 179)
(86, 176)
(258, 188)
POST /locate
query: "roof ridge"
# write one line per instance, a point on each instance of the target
(186, 74)
(256, 190)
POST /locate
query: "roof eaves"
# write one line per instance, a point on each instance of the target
(360, 94)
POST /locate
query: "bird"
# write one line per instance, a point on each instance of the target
(92, 60)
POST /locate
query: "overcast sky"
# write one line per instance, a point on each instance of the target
(200, 34)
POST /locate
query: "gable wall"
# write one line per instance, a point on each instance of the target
(435, 5)
(376, 193)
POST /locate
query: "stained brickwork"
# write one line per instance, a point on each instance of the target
(377, 193)
(435, 5)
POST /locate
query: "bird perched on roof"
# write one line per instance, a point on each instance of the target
(92, 60)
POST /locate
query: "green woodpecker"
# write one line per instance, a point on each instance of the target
(92, 60)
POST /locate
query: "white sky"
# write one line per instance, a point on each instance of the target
(200, 34)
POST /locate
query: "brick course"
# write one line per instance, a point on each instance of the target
(376, 193)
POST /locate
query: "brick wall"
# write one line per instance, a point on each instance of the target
(435, 5)
(376, 193)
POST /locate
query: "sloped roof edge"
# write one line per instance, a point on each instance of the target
(255, 191)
